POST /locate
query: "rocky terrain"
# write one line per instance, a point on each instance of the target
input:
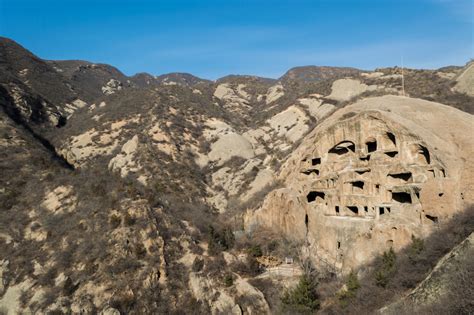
(176, 194)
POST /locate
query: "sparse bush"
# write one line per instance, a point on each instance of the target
(129, 220)
(215, 266)
(416, 247)
(115, 221)
(255, 251)
(303, 298)
(250, 268)
(69, 287)
(198, 264)
(352, 285)
(220, 240)
(387, 268)
(228, 280)
(48, 278)
(123, 302)
(140, 251)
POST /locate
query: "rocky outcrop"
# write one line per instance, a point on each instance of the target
(346, 89)
(290, 123)
(371, 176)
(124, 162)
(223, 301)
(274, 93)
(465, 81)
(438, 285)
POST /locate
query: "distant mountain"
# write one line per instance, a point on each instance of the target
(234, 78)
(87, 79)
(180, 78)
(318, 73)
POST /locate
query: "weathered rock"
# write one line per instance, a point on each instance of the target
(465, 81)
(111, 87)
(345, 89)
(370, 176)
(274, 93)
(10, 301)
(229, 145)
(109, 311)
(124, 161)
(291, 123)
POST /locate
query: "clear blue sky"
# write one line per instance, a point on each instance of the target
(215, 38)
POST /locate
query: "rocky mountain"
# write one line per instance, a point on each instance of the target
(176, 194)
(318, 73)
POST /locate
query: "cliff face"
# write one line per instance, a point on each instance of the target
(371, 176)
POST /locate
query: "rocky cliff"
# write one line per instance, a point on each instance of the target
(369, 177)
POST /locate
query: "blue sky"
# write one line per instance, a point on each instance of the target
(214, 38)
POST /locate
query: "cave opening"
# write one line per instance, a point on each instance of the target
(313, 195)
(357, 187)
(401, 197)
(391, 154)
(422, 153)
(306, 220)
(358, 184)
(383, 210)
(432, 218)
(392, 138)
(315, 161)
(337, 209)
(371, 146)
(353, 209)
(342, 148)
(426, 154)
(311, 171)
(403, 176)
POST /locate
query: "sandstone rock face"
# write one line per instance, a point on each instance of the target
(371, 176)
(111, 87)
(235, 99)
(345, 89)
(10, 301)
(230, 145)
(204, 289)
(274, 93)
(290, 123)
(465, 81)
(316, 107)
(124, 161)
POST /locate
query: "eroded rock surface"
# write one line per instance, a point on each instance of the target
(370, 177)
(465, 81)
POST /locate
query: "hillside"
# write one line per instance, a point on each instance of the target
(174, 194)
